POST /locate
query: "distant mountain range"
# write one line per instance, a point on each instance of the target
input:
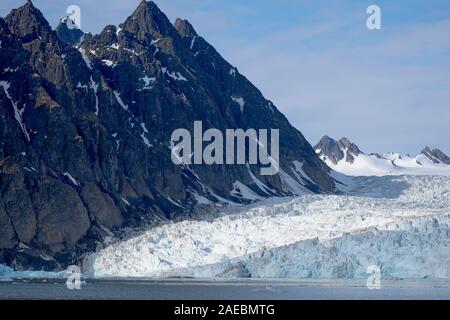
(345, 157)
(85, 128)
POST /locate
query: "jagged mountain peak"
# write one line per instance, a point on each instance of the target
(326, 143)
(330, 149)
(28, 23)
(149, 4)
(345, 141)
(28, 10)
(326, 138)
(345, 157)
(185, 28)
(350, 146)
(148, 19)
(335, 151)
(426, 150)
(435, 155)
(68, 32)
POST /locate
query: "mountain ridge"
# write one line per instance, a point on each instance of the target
(345, 157)
(86, 129)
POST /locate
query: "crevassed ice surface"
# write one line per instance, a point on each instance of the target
(398, 223)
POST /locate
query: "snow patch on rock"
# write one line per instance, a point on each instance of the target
(86, 58)
(174, 75)
(18, 113)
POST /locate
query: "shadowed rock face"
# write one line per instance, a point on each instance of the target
(85, 133)
(28, 24)
(329, 148)
(436, 155)
(68, 33)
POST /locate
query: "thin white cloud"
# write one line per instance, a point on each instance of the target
(389, 91)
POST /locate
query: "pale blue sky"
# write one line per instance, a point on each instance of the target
(387, 90)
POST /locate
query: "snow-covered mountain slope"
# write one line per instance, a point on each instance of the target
(401, 224)
(346, 158)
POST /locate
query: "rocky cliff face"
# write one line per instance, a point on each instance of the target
(85, 130)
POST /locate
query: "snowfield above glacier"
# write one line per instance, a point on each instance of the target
(399, 223)
(389, 164)
(345, 157)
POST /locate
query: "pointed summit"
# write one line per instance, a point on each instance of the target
(436, 155)
(328, 148)
(335, 151)
(146, 20)
(68, 32)
(326, 141)
(426, 150)
(28, 23)
(347, 144)
(184, 28)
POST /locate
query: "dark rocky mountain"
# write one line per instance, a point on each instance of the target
(335, 151)
(68, 32)
(436, 155)
(85, 130)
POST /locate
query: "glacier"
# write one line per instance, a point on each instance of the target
(399, 223)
